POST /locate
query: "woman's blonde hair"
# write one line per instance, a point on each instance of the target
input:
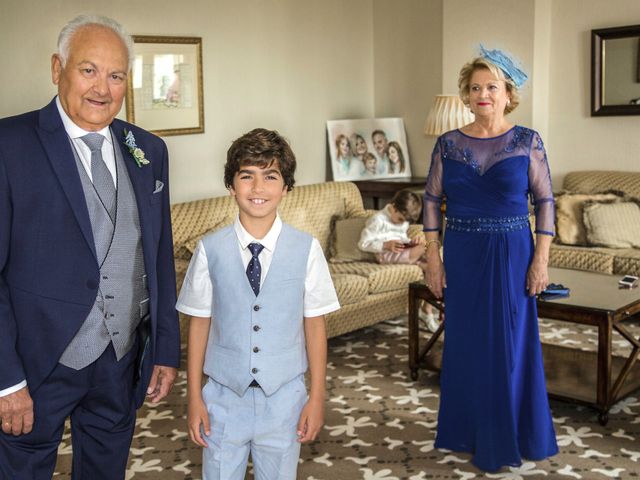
(481, 63)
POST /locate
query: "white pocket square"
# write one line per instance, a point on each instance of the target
(159, 186)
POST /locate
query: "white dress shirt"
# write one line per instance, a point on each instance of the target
(379, 229)
(75, 132)
(196, 297)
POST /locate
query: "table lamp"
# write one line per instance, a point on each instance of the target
(447, 113)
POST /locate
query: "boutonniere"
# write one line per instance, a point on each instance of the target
(136, 152)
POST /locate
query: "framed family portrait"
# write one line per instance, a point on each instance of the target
(366, 149)
(164, 93)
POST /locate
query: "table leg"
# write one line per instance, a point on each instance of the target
(414, 334)
(603, 396)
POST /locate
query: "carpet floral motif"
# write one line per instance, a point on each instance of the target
(380, 425)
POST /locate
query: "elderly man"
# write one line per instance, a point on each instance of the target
(87, 286)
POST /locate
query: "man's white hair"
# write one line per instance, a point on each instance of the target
(70, 29)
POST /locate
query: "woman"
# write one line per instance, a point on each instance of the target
(493, 397)
(360, 144)
(347, 166)
(396, 158)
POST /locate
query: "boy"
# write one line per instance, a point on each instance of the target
(248, 287)
(370, 162)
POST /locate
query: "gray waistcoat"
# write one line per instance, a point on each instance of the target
(122, 298)
(261, 337)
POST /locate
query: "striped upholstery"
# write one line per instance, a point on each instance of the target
(598, 259)
(368, 292)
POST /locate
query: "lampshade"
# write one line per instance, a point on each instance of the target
(447, 113)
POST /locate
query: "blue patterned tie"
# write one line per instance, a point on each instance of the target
(254, 269)
(100, 175)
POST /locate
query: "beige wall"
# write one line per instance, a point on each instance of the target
(407, 45)
(284, 64)
(580, 141)
(293, 64)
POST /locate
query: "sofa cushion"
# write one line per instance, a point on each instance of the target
(381, 278)
(570, 229)
(627, 262)
(581, 258)
(350, 288)
(344, 247)
(612, 224)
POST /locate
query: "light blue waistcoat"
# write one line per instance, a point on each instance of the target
(261, 337)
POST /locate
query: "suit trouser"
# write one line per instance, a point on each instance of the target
(99, 399)
(263, 425)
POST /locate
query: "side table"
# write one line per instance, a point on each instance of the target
(419, 291)
(386, 187)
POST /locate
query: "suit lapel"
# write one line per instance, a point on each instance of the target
(58, 149)
(141, 181)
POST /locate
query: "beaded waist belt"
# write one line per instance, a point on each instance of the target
(488, 224)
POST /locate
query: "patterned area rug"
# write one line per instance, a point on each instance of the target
(380, 425)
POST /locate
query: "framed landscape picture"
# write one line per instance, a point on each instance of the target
(164, 94)
(368, 148)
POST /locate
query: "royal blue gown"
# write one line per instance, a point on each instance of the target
(493, 400)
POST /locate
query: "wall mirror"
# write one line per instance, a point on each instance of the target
(615, 71)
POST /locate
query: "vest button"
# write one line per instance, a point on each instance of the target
(254, 370)
(256, 349)
(256, 308)
(91, 284)
(256, 328)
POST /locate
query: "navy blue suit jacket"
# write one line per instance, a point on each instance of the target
(49, 273)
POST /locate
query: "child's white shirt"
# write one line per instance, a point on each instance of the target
(379, 229)
(196, 294)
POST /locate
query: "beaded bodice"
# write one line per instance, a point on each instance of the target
(489, 178)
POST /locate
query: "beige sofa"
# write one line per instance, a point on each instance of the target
(367, 291)
(618, 261)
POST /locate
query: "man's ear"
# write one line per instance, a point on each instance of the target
(56, 68)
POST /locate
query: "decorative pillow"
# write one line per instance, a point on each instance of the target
(613, 224)
(570, 228)
(345, 245)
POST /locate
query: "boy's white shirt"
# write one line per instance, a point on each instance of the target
(379, 229)
(196, 294)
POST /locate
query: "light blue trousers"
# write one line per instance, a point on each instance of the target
(264, 426)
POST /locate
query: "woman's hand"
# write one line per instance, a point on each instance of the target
(434, 277)
(537, 277)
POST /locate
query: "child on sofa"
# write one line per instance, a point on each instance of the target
(386, 235)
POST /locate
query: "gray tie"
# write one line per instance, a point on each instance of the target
(102, 178)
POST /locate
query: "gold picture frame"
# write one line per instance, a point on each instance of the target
(164, 92)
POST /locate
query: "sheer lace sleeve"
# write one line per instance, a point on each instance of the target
(540, 187)
(432, 218)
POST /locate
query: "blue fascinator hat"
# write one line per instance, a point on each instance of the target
(505, 63)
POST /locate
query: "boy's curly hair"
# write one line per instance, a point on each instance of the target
(260, 147)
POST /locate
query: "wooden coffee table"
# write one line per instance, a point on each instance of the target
(595, 300)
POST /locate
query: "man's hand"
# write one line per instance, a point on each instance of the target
(16, 412)
(162, 379)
